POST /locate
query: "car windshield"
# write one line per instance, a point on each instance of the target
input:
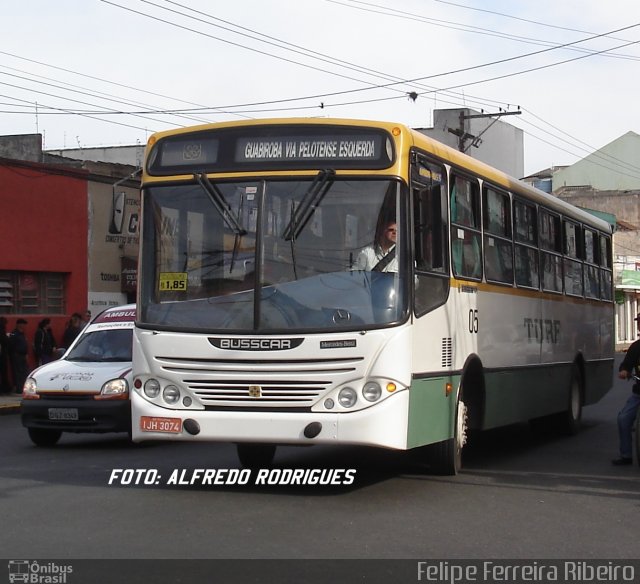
(307, 255)
(103, 345)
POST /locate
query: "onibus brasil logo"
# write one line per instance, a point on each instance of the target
(34, 572)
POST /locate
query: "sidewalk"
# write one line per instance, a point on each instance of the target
(10, 404)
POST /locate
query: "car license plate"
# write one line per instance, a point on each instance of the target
(63, 413)
(154, 424)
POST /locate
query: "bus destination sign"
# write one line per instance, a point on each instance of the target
(272, 148)
(298, 148)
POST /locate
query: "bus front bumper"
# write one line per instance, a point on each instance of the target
(383, 424)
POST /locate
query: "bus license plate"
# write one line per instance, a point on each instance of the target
(153, 424)
(63, 413)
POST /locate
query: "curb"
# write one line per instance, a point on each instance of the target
(9, 409)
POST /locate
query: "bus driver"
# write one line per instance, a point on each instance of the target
(381, 255)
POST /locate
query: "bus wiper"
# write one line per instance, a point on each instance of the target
(312, 198)
(220, 203)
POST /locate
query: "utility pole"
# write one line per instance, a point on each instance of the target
(464, 137)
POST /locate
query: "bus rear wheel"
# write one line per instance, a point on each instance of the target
(446, 457)
(256, 455)
(570, 419)
(42, 437)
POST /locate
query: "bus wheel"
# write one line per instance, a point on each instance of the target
(570, 420)
(446, 456)
(42, 437)
(256, 455)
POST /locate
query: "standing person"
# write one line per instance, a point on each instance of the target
(381, 256)
(5, 384)
(18, 350)
(44, 344)
(627, 415)
(74, 327)
(86, 319)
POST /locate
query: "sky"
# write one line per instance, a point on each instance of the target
(94, 73)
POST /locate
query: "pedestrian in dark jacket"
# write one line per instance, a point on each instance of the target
(627, 415)
(18, 350)
(74, 328)
(44, 344)
(5, 384)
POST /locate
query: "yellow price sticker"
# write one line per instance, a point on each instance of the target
(173, 282)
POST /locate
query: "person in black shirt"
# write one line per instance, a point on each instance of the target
(5, 384)
(18, 350)
(627, 415)
(43, 343)
(74, 328)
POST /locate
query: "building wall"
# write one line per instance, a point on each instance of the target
(22, 147)
(607, 169)
(131, 155)
(44, 229)
(114, 217)
(625, 205)
(501, 146)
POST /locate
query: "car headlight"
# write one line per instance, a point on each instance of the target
(115, 387)
(347, 397)
(30, 387)
(152, 388)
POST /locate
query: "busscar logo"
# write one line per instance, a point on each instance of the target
(231, 344)
(34, 572)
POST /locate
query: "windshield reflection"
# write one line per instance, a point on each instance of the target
(298, 243)
(106, 345)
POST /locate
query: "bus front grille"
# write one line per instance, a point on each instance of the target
(259, 383)
(258, 393)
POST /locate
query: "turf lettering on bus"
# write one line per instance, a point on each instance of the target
(542, 330)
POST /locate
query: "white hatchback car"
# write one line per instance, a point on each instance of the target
(87, 390)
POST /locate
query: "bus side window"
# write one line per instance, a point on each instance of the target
(573, 267)
(498, 247)
(465, 228)
(430, 235)
(527, 265)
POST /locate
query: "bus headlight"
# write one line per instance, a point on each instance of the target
(152, 388)
(171, 394)
(371, 391)
(347, 397)
(115, 387)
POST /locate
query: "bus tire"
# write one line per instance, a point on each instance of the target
(42, 437)
(446, 456)
(256, 455)
(570, 419)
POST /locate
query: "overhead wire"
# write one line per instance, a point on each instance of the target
(440, 91)
(386, 11)
(519, 18)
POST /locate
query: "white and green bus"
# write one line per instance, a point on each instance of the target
(260, 324)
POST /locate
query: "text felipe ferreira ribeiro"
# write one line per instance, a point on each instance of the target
(519, 572)
(233, 476)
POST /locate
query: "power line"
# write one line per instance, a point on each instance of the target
(101, 79)
(462, 27)
(375, 86)
(510, 16)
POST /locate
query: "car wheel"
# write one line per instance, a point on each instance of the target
(41, 437)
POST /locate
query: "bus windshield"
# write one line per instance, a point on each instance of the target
(317, 254)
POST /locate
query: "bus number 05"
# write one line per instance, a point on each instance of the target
(473, 320)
